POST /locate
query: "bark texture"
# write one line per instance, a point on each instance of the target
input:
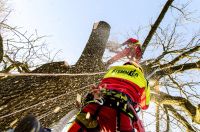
(21, 95)
(1, 49)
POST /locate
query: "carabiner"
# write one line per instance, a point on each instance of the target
(99, 101)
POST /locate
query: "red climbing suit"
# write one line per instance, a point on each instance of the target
(129, 80)
(132, 51)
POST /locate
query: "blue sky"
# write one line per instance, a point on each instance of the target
(68, 23)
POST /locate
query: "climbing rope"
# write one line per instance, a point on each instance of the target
(53, 74)
(50, 74)
(47, 74)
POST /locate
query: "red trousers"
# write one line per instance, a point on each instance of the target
(107, 119)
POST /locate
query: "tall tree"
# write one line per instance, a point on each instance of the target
(51, 96)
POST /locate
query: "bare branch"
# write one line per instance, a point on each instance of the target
(21, 67)
(177, 85)
(180, 118)
(167, 119)
(181, 56)
(190, 109)
(175, 69)
(156, 24)
(166, 53)
(181, 10)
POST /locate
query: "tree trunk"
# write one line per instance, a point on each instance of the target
(21, 95)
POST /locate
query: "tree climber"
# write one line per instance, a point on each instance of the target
(113, 105)
(132, 51)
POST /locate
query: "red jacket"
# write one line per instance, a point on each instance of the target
(124, 86)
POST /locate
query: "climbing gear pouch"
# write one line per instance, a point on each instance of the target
(87, 120)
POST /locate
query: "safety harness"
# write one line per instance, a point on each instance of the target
(111, 98)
